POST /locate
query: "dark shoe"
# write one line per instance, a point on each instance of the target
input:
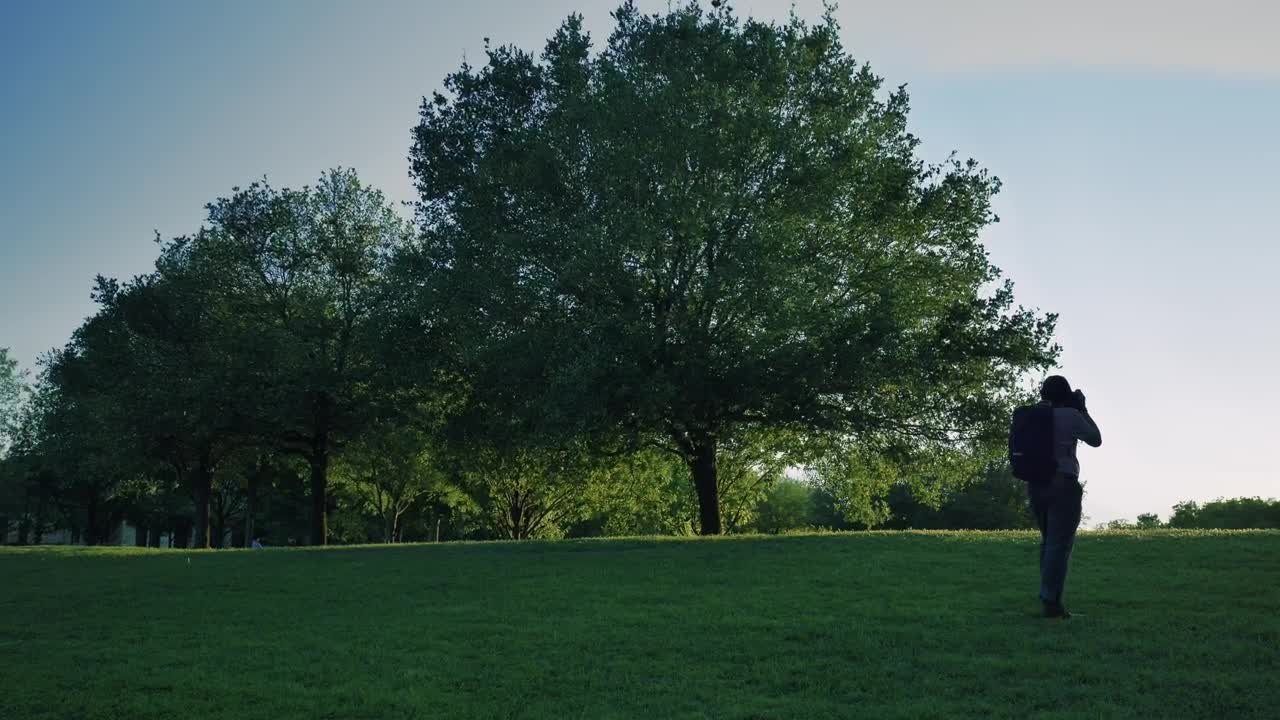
(1056, 610)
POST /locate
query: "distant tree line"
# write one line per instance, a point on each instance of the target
(1222, 514)
(694, 281)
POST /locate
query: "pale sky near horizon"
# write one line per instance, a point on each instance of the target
(1137, 142)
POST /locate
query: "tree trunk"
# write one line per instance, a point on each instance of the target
(702, 463)
(389, 528)
(217, 520)
(37, 529)
(153, 535)
(319, 461)
(201, 489)
(24, 522)
(181, 537)
(139, 535)
(250, 504)
(91, 519)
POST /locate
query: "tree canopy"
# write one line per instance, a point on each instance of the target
(695, 278)
(710, 226)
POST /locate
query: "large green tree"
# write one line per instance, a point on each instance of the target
(303, 272)
(143, 399)
(258, 333)
(177, 377)
(89, 404)
(708, 227)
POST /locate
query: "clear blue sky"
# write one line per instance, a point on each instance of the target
(1137, 141)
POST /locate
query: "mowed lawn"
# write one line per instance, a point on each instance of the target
(870, 625)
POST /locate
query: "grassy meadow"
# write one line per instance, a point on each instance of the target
(868, 625)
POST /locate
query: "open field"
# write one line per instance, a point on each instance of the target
(875, 625)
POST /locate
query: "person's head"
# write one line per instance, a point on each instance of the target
(1057, 391)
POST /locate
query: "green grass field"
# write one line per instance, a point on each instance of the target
(876, 625)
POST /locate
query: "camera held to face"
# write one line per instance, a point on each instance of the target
(1077, 400)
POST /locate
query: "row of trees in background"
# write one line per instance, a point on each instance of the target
(1223, 513)
(643, 286)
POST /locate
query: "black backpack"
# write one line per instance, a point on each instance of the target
(1031, 456)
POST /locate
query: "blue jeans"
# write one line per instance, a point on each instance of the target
(1056, 505)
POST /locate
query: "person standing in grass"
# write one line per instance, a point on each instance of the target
(1056, 494)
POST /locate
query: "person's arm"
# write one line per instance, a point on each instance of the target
(1084, 428)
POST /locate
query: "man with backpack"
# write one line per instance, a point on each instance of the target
(1042, 452)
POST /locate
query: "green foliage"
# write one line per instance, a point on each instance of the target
(789, 505)
(706, 251)
(173, 374)
(1186, 514)
(12, 391)
(303, 270)
(1234, 513)
(1148, 521)
(707, 227)
(16, 442)
(877, 625)
(645, 493)
(260, 332)
(996, 501)
(528, 493)
(1145, 521)
(750, 464)
(81, 439)
(861, 482)
(389, 469)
